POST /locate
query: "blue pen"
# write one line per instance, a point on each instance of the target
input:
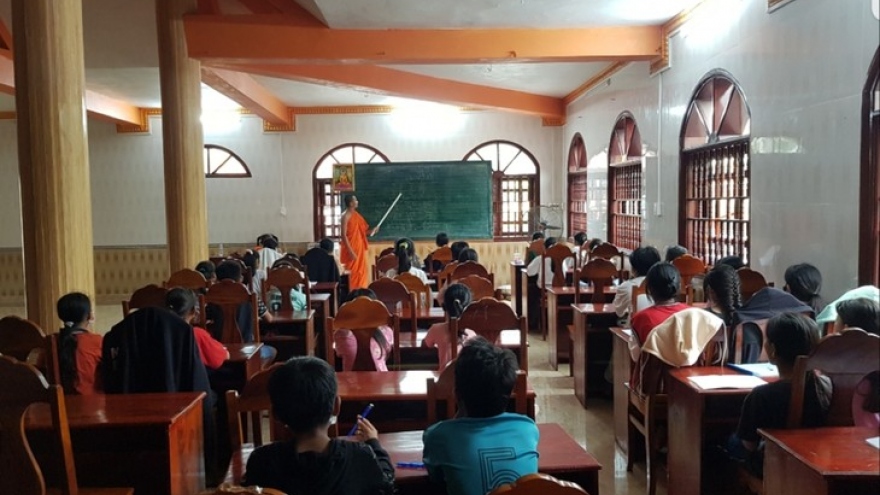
(411, 465)
(363, 415)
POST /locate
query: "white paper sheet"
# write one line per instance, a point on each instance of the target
(711, 382)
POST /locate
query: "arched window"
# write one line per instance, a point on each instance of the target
(577, 185)
(515, 186)
(327, 208)
(626, 189)
(714, 178)
(869, 203)
(223, 163)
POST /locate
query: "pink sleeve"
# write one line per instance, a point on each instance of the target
(346, 348)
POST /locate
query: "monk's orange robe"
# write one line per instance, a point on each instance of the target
(356, 232)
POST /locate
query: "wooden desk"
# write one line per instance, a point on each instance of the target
(588, 319)
(425, 317)
(821, 461)
(331, 288)
(152, 442)
(559, 455)
(622, 371)
(559, 316)
(407, 390)
(697, 418)
(244, 361)
(517, 284)
(281, 331)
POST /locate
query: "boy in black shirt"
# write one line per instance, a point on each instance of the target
(303, 394)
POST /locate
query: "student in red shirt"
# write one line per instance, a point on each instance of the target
(662, 285)
(183, 303)
(79, 350)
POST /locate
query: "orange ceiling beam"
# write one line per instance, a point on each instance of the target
(289, 7)
(383, 80)
(97, 105)
(283, 39)
(247, 92)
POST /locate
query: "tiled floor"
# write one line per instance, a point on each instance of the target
(556, 403)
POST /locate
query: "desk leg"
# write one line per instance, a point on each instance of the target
(579, 357)
(552, 335)
(310, 336)
(514, 289)
(685, 459)
(621, 368)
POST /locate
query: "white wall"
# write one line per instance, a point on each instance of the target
(127, 179)
(802, 69)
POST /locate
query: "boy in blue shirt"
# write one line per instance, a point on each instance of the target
(483, 447)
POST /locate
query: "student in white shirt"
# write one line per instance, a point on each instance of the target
(534, 268)
(579, 239)
(641, 260)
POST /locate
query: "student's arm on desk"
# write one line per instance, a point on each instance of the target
(432, 453)
(622, 299)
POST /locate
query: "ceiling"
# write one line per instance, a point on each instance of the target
(121, 56)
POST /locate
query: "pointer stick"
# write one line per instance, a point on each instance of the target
(389, 211)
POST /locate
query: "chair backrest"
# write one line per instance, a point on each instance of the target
(245, 411)
(750, 282)
(845, 358)
(416, 288)
(488, 318)
(51, 363)
(443, 389)
(228, 296)
(599, 273)
(148, 296)
(470, 268)
(480, 287)
(557, 253)
(385, 252)
(439, 259)
(188, 279)
(649, 377)
(383, 264)
(18, 337)
(539, 484)
(392, 293)
(688, 267)
(608, 251)
(748, 342)
(443, 276)
(286, 279)
(363, 317)
(537, 247)
(637, 292)
(20, 474)
(293, 260)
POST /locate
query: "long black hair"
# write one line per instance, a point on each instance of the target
(404, 262)
(456, 299)
(804, 281)
(724, 282)
(181, 301)
(378, 336)
(73, 309)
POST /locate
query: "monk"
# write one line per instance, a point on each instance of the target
(354, 240)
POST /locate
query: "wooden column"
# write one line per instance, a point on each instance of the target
(186, 214)
(53, 154)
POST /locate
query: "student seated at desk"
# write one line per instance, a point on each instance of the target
(457, 247)
(231, 270)
(380, 345)
(322, 266)
(789, 335)
(483, 447)
(804, 281)
(304, 398)
(642, 259)
(860, 313)
(456, 298)
(208, 270)
(544, 263)
(405, 265)
(468, 254)
(269, 253)
(673, 252)
(184, 304)
(661, 285)
(721, 288)
(410, 247)
(79, 350)
(441, 240)
(530, 255)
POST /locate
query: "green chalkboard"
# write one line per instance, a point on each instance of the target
(452, 197)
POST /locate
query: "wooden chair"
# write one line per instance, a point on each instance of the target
(418, 288)
(228, 295)
(647, 409)
(286, 279)
(293, 260)
(443, 276)
(441, 256)
(20, 474)
(52, 367)
(539, 484)
(536, 248)
(845, 358)
(443, 389)
(557, 253)
(383, 264)
(397, 298)
(362, 317)
(245, 411)
(750, 282)
(188, 279)
(148, 296)
(688, 267)
(607, 251)
(387, 251)
(488, 318)
(467, 268)
(599, 273)
(18, 337)
(480, 287)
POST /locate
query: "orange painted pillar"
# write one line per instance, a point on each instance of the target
(53, 156)
(186, 213)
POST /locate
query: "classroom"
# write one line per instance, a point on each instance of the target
(151, 145)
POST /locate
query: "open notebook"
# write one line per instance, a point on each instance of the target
(711, 382)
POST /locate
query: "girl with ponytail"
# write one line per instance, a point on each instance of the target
(456, 299)
(79, 350)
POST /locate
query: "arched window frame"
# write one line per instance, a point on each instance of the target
(326, 204)
(514, 196)
(626, 186)
(869, 193)
(577, 185)
(715, 169)
(214, 170)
